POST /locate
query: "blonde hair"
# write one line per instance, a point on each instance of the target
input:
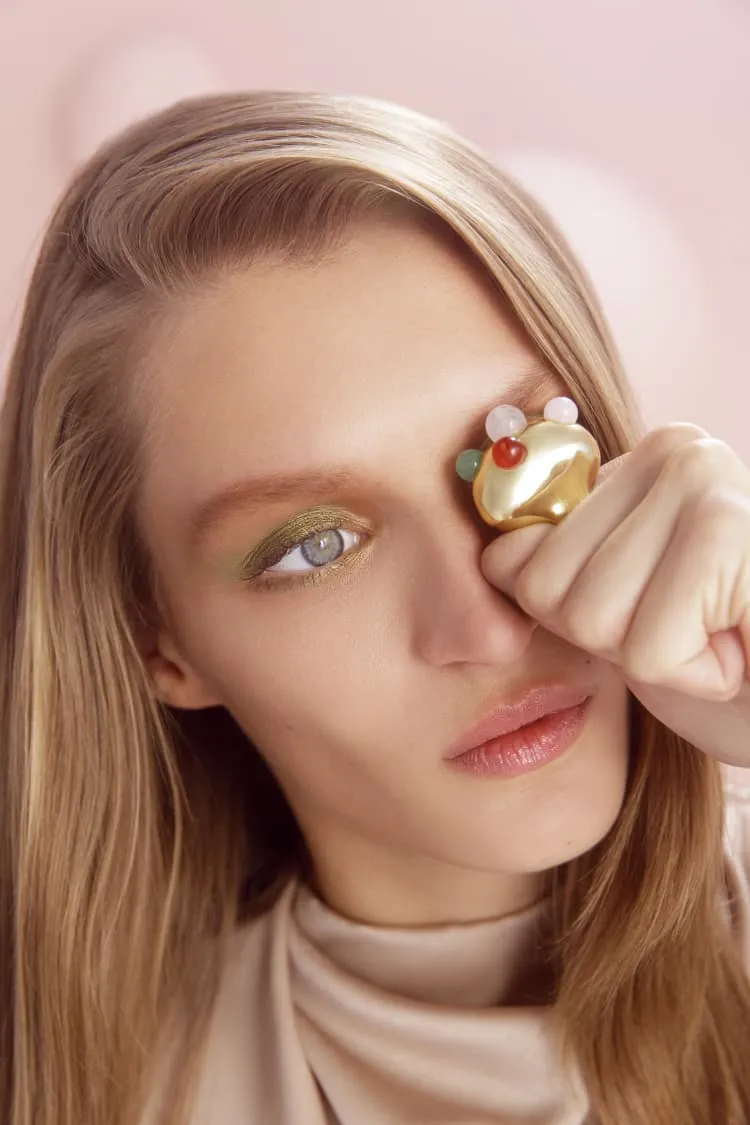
(126, 858)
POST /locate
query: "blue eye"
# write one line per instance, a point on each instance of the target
(316, 551)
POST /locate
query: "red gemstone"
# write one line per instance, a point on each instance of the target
(508, 452)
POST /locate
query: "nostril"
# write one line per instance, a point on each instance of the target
(508, 452)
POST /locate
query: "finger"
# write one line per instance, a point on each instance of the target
(549, 573)
(504, 559)
(508, 554)
(597, 611)
(684, 633)
(716, 674)
(599, 607)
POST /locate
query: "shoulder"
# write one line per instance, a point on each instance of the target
(238, 1071)
(240, 1079)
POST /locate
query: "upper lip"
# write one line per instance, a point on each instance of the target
(506, 717)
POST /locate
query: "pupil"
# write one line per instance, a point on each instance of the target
(323, 547)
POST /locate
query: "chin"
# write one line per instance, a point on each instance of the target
(568, 807)
(546, 818)
(571, 841)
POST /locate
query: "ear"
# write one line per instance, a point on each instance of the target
(176, 682)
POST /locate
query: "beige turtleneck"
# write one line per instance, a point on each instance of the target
(325, 1021)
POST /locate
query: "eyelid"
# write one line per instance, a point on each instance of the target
(290, 534)
(270, 580)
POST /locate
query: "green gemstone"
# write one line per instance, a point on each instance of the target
(467, 463)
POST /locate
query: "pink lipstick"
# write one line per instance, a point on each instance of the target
(522, 736)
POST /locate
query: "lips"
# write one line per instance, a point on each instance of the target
(507, 717)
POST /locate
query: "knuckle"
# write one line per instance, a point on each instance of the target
(491, 563)
(697, 465)
(575, 620)
(718, 517)
(664, 440)
(588, 627)
(534, 593)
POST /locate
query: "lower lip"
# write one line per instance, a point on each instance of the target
(527, 748)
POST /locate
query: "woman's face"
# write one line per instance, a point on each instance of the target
(338, 394)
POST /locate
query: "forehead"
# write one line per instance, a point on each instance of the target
(392, 337)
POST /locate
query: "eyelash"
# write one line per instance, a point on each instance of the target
(267, 579)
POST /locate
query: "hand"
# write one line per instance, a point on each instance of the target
(652, 572)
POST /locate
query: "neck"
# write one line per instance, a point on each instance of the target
(366, 883)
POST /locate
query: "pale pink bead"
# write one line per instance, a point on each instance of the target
(504, 421)
(561, 410)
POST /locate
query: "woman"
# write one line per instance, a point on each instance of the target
(251, 621)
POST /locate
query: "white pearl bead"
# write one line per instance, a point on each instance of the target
(504, 421)
(561, 410)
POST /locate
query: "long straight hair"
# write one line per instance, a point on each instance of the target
(127, 853)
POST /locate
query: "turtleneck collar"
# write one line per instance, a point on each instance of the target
(466, 965)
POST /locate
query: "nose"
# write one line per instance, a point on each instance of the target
(458, 617)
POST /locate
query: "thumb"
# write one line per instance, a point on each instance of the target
(718, 672)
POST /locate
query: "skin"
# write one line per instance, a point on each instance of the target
(384, 358)
(652, 573)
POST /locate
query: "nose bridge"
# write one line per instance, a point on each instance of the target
(457, 616)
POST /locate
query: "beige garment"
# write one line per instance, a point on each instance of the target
(322, 1021)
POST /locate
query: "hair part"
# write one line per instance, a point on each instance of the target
(109, 808)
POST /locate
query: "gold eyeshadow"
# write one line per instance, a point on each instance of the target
(290, 535)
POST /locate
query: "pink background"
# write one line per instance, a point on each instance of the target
(654, 93)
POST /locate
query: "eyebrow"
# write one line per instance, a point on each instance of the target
(255, 493)
(258, 492)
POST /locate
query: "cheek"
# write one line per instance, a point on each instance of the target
(302, 665)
